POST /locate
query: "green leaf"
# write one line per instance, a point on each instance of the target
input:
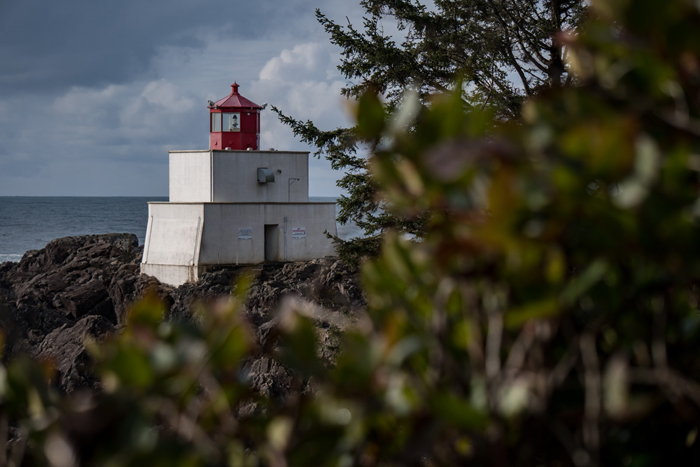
(370, 116)
(581, 283)
(458, 411)
(537, 310)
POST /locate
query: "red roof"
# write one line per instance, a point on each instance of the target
(235, 100)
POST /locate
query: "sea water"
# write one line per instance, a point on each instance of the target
(29, 222)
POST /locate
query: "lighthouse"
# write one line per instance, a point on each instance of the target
(234, 204)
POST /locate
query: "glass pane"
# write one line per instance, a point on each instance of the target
(232, 121)
(215, 122)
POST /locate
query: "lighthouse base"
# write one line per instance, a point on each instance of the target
(183, 240)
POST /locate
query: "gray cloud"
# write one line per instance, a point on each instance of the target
(47, 45)
(94, 94)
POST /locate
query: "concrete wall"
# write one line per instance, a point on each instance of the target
(221, 243)
(231, 176)
(183, 239)
(190, 176)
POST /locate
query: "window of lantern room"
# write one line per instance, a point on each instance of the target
(215, 122)
(232, 121)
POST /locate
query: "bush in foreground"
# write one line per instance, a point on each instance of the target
(548, 317)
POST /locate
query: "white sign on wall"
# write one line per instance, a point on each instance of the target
(246, 233)
(298, 232)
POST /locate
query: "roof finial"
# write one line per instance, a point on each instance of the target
(234, 88)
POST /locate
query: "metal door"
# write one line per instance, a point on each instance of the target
(272, 242)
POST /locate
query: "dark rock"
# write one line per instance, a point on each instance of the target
(38, 317)
(265, 331)
(59, 285)
(150, 285)
(5, 269)
(79, 288)
(269, 378)
(72, 275)
(122, 290)
(65, 347)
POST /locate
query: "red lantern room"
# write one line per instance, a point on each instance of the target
(234, 122)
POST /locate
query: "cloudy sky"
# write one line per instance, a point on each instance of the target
(94, 93)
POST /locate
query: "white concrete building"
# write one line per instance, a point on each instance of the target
(234, 206)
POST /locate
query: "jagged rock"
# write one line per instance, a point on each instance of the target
(122, 290)
(269, 378)
(65, 347)
(51, 290)
(72, 275)
(79, 288)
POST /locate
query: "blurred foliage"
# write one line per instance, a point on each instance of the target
(548, 317)
(505, 50)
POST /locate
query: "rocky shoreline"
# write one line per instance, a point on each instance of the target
(79, 288)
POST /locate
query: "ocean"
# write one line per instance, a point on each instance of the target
(29, 223)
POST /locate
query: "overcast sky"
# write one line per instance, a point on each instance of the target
(94, 93)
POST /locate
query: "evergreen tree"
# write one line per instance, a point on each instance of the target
(505, 50)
